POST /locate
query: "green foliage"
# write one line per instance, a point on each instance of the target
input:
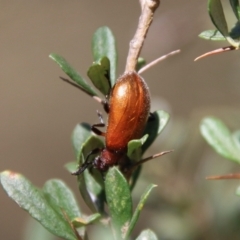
(221, 139)
(99, 73)
(54, 206)
(109, 196)
(40, 205)
(214, 35)
(138, 209)
(147, 234)
(119, 200)
(140, 63)
(155, 126)
(73, 74)
(103, 45)
(217, 16)
(235, 7)
(36, 231)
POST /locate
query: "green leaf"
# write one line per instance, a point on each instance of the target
(238, 191)
(139, 208)
(213, 35)
(236, 138)
(155, 126)
(79, 136)
(33, 201)
(141, 62)
(90, 182)
(99, 75)
(61, 197)
(235, 7)
(71, 166)
(135, 148)
(235, 32)
(73, 74)
(34, 230)
(216, 13)
(147, 234)
(219, 137)
(134, 153)
(119, 200)
(86, 220)
(103, 45)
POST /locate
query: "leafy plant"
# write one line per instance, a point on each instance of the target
(222, 33)
(54, 206)
(214, 131)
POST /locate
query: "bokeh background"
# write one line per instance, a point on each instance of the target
(38, 111)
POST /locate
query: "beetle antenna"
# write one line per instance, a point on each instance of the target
(87, 162)
(156, 61)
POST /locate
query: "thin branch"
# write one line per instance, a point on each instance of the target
(216, 51)
(156, 61)
(152, 157)
(98, 99)
(71, 225)
(148, 8)
(222, 177)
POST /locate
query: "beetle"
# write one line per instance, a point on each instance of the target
(129, 109)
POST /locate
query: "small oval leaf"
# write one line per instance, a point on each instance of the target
(73, 74)
(61, 197)
(217, 16)
(147, 235)
(85, 220)
(155, 126)
(34, 230)
(103, 45)
(99, 75)
(139, 208)
(235, 7)
(235, 32)
(141, 62)
(119, 200)
(71, 166)
(79, 136)
(219, 137)
(90, 182)
(134, 151)
(238, 191)
(33, 201)
(213, 35)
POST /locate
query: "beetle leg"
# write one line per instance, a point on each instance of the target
(105, 106)
(101, 124)
(87, 163)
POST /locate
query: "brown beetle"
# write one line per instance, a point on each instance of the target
(129, 108)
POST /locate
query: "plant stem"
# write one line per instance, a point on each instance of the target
(156, 61)
(148, 8)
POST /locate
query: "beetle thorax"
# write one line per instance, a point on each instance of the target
(107, 159)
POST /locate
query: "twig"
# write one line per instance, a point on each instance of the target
(216, 51)
(148, 8)
(71, 225)
(222, 177)
(156, 61)
(98, 99)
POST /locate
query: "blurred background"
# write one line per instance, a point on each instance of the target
(38, 111)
